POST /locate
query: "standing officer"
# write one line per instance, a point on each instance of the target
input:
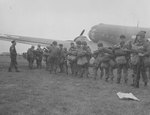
(13, 56)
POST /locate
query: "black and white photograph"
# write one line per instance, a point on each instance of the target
(74, 57)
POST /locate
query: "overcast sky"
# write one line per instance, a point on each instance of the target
(65, 19)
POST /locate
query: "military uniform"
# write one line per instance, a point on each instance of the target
(122, 60)
(31, 56)
(61, 58)
(45, 55)
(88, 53)
(13, 56)
(53, 58)
(137, 60)
(65, 60)
(82, 59)
(39, 55)
(79, 63)
(104, 62)
(72, 58)
(97, 64)
(147, 58)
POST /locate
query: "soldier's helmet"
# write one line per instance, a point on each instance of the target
(39, 45)
(54, 43)
(84, 43)
(32, 46)
(78, 42)
(61, 45)
(13, 41)
(100, 44)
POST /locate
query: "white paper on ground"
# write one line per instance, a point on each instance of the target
(127, 96)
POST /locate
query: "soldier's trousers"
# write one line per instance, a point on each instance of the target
(39, 62)
(46, 63)
(95, 69)
(138, 71)
(83, 69)
(148, 70)
(13, 64)
(107, 70)
(108, 73)
(30, 61)
(122, 68)
(53, 64)
(73, 67)
(61, 66)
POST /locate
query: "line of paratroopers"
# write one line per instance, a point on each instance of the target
(127, 55)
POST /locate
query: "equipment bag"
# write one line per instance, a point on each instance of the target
(105, 58)
(112, 63)
(82, 60)
(121, 60)
(71, 57)
(119, 52)
(104, 65)
(135, 59)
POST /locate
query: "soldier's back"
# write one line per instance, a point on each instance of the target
(13, 51)
(54, 51)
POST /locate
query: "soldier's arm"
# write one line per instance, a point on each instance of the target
(146, 49)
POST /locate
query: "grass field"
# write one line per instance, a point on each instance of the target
(36, 92)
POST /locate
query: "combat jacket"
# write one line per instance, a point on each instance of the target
(39, 52)
(72, 51)
(13, 52)
(30, 53)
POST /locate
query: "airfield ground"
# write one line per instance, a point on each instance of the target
(36, 92)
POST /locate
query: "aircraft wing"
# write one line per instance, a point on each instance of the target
(32, 40)
(46, 42)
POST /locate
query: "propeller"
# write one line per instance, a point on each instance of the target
(80, 35)
(82, 32)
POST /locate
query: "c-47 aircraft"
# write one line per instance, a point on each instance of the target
(107, 34)
(111, 33)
